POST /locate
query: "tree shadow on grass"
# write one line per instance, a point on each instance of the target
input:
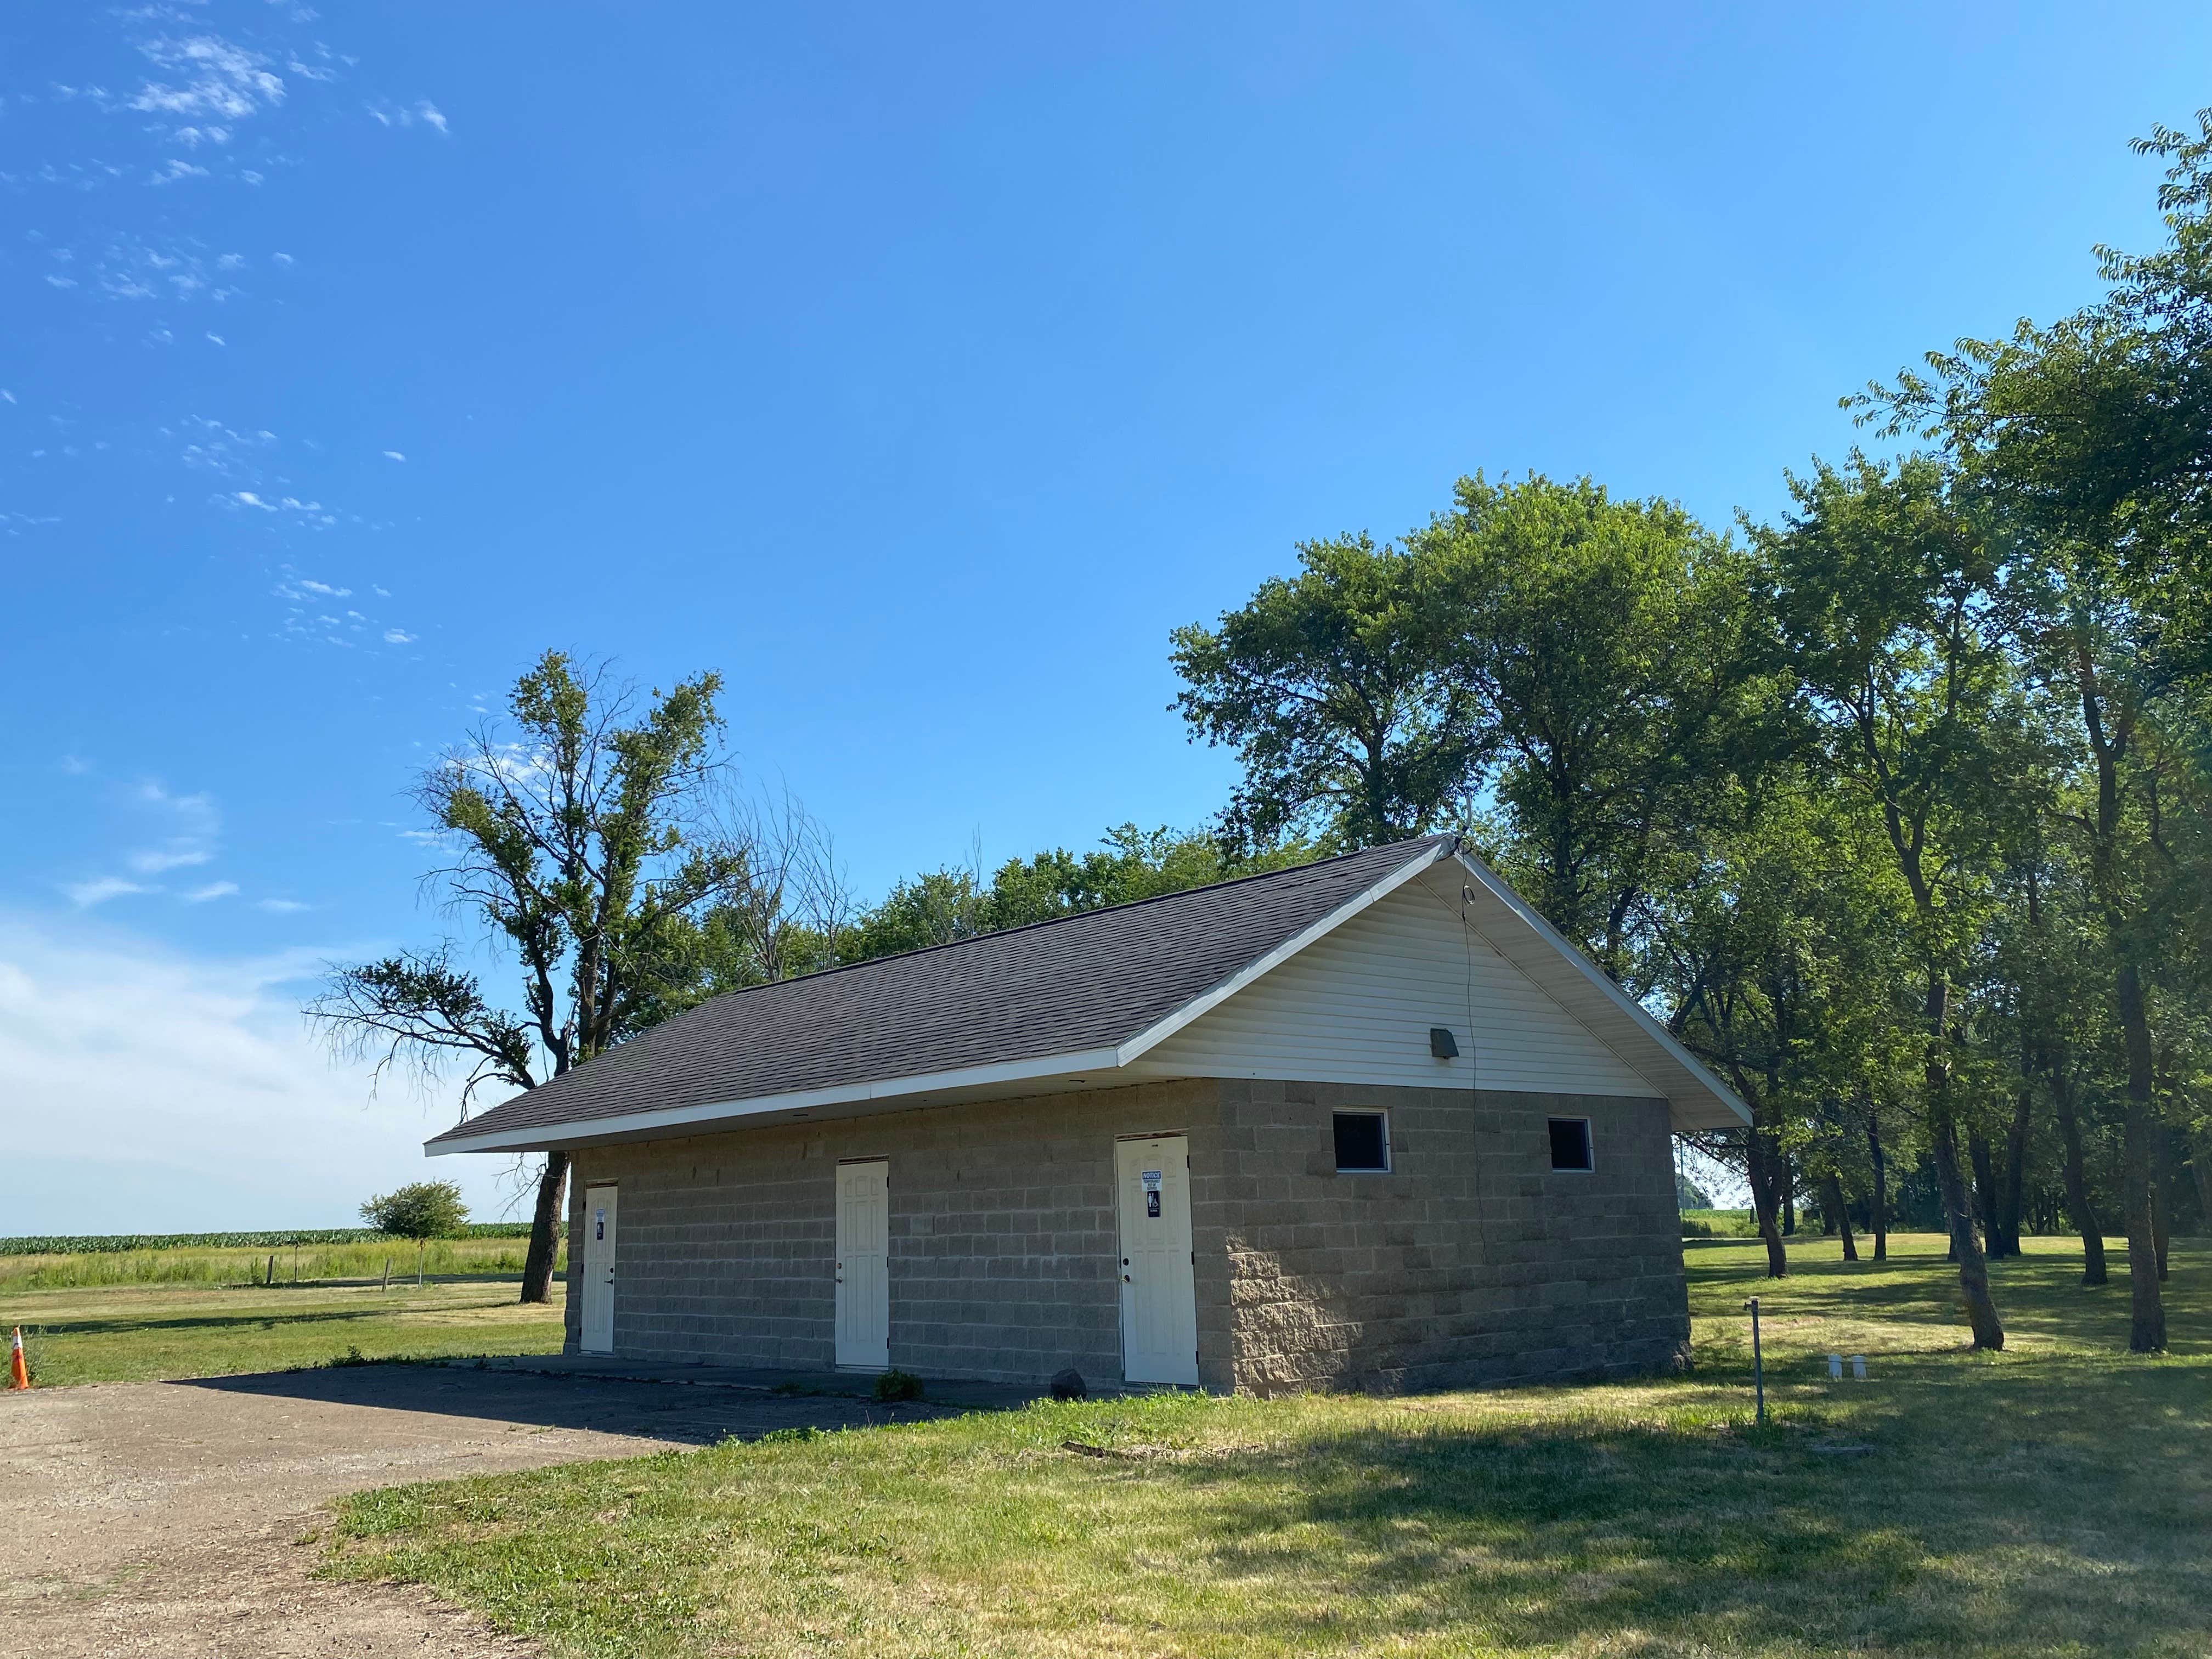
(216, 1323)
(1730, 1539)
(2039, 1295)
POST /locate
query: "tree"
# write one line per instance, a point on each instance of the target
(1330, 686)
(421, 1210)
(1613, 663)
(1886, 596)
(2090, 442)
(576, 841)
(1779, 964)
(943, 905)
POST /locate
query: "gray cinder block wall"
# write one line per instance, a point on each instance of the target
(1472, 1262)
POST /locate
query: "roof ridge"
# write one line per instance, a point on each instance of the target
(1075, 915)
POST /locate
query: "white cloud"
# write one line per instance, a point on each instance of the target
(75, 765)
(214, 889)
(393, 455)
(397, 636)
(151, 1091)
(279, 907)
(177, 854)
(281, 258)
(86, 894)
(217, 339)
(423, 110)
(219, 79)
(247, 498)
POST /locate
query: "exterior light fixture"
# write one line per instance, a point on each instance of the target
(1442, 1043)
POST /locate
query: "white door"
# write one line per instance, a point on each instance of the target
(1160, 1293)
(599, 1332)
(864, 1276)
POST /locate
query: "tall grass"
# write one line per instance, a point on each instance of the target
(306, 1264)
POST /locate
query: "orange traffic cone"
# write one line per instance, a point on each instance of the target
(19, 1374)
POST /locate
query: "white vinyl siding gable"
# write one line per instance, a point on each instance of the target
(1356, 1006)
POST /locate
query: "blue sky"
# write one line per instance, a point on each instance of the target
(918, 368)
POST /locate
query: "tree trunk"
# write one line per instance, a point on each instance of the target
(1943, 1134)
(1832, 1202)
(545, 1230)
(2078, 1206)
(2161, 1196)
(2012, 1181)
(1878, 1212)
(1985, 1193)
(2146, 1325)
(2200, 1165)
(1764, 1201)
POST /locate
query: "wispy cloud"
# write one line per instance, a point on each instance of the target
(180, 853)
(422, 109)
(280, 906)
(393, 455)
(213, 1106)
(214, 889)
(218, 79)
(397, 636)
(86, 894)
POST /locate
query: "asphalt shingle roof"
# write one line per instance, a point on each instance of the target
(1086, 981)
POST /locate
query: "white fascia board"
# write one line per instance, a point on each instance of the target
(1282, 953)
(1596, 978)
(587, 1130)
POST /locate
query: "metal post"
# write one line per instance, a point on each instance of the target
(1757, 1361)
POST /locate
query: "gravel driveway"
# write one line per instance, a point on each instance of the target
(163, 1518)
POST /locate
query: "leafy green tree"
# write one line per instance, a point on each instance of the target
(943, 905)
(1330, 686)
(1780, 965)
(1613, 665)
(421, 1210)
(2090, 442)
(1886, 596)
(575, 840)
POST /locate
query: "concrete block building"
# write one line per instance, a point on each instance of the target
(1366, 1123)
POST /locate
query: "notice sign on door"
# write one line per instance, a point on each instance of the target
(1151, 1179)
(600, 1225)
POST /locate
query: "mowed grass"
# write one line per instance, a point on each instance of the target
(2055, 1499)
(141, 1316)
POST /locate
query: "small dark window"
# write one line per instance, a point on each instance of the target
(1570, 1142)
(1363, 1141)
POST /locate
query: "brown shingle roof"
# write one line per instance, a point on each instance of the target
(1078, 984)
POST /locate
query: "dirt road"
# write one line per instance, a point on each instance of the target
(163, 1518)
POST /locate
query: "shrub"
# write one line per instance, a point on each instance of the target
(896, 1384)
(420, 1211)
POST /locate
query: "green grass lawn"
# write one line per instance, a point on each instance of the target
(193, 1313)
(2053, 1500)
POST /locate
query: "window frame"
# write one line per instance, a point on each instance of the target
(1589, 1146)
(1381, 1114)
